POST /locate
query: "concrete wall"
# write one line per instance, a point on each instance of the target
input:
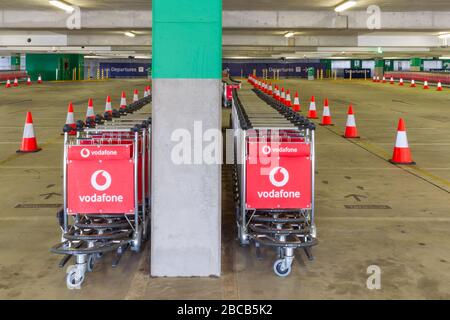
(55, 66)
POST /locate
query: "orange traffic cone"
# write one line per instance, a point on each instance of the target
(123, 101)
(413, 83)
(28, 81)
(296, 107)
(402, 153)
(283, 96)
(39, 79)
(136, 96)
(351, 131)
(439, 86)
(274, 94)
(70, 120)
(374, 79)
(401, 82)
(108, 105)
(29, 143)
(312, 113)
(90, 114)
(392, 80)
(378, 79)
(270, 91)
(326, 116)
(384, 79)
(288, 102)
(425, 85)
(16, 83)
(8, 84)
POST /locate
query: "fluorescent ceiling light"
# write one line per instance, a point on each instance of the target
(444, 36)
(62, 5)
(129, 34)
(344, 6)
(444, 58)
(289, 34)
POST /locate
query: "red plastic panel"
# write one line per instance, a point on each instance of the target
(100, 180)
(278, 176)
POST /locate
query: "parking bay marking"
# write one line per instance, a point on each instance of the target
(368, 206)
(38, 205)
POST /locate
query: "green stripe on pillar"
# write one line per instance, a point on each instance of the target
(188, 35)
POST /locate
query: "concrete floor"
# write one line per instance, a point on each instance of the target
(409, 242)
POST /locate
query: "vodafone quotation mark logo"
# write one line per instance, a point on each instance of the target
(274, 181)
(85, 153)
(266, 150)
(105, 175)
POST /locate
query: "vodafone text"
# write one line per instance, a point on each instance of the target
(85, 153)
(281, 194)
(101, 198)
(104, 153)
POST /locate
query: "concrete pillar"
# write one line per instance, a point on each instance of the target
(186, 198)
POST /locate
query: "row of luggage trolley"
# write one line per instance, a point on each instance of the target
(106, 188)
(274, 177)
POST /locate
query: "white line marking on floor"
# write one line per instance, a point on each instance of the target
(378, 218)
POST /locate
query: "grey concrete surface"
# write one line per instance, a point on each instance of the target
(409, 242)
(186, 211)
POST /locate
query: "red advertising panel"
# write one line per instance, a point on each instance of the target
(278, 176)
(100, 180)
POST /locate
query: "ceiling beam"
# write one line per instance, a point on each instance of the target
(283, 20)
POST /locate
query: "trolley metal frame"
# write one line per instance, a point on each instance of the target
(89, 236)
(272, 227)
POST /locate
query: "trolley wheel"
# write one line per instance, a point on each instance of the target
(98, 256)
(74, 279)
(278, 268)
(92, 258)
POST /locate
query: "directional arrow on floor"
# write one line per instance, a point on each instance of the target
(357, 197)
(49, 195)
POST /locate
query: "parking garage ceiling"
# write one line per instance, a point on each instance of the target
(252, 28)
(270, 5)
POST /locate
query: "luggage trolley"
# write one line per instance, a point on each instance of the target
(106, 194)
(229, 85)
(274, 181)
